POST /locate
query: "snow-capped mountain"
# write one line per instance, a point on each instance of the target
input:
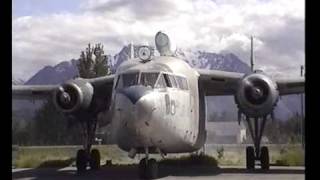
(207, 60)
(54, 75)
(199, 59)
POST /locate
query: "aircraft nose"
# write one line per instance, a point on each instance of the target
(137, 105)
(134, 93)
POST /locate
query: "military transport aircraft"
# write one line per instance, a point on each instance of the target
(156, 104)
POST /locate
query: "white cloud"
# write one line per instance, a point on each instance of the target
(278, 26)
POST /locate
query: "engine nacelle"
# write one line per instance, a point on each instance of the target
(257, 95)
(73, 96)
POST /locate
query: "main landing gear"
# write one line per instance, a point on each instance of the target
(148, 168)
(254, 153)
(86, 156)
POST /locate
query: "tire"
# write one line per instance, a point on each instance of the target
(250, 157)
(81, 161)
(264, 158)
(94, 159)
(142, 168)
(152, 169)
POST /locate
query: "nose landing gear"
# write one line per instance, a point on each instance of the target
(83, 159)
(254, 153)
(148, 168)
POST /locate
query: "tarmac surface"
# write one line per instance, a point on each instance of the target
(131, 172)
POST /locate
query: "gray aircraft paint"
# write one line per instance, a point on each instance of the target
(166, 118)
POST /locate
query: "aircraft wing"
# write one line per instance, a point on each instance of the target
(290, 86)
(102, 90)
(33, 91)
(215, 83)
(43, 91)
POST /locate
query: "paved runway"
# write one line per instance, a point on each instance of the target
(130, 172)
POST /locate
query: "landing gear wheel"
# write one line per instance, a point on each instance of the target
(81, 161)
(95, 159)
(250, 157)
(264, 158)
(152, 169)
(142, 168)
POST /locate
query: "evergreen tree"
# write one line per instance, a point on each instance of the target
(22, 130)
(90, 67)
(288, 131)
(50, 127)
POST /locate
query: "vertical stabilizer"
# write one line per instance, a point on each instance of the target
(251, 55)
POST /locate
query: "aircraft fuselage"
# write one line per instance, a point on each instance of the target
(147, 112)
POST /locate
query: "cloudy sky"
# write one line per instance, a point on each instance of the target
(46, 32)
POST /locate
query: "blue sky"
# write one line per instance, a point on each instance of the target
(43, 7)
(46, 32)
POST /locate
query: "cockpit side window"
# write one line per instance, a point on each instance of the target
(167, 80)
(185, 84)
(173, 81)
(149, 79)
(182, 82)
(179, 82)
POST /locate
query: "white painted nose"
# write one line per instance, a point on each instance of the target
(137, 106)
(134, 93)
(136, 114)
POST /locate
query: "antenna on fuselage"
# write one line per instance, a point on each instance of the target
(251, 57)
(162, 42)
(131, 51)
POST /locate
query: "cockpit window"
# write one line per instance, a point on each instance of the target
(182, 82)
(185, 84)
(167, 80)
(173, 81)
(161, 82)
(179, 82)
(128, 79)
(149, 79)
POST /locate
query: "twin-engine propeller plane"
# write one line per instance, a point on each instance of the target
(156, 104)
